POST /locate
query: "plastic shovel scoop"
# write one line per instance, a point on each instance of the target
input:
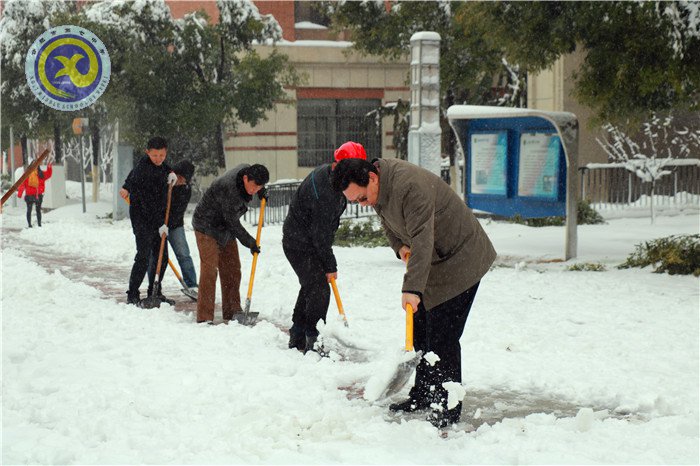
(389, 380)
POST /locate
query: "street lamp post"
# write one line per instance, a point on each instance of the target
(80, 127)
(425, 134)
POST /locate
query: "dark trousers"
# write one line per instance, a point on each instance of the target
(439, 330)
(147, 245)
(31, 200)
(314, 295)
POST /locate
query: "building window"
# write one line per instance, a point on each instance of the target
(325, 124)
(311, 12)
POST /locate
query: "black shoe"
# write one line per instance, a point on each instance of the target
(134, 301)
(409, 406)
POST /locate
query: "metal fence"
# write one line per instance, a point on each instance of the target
(612, 186)
(280, 196)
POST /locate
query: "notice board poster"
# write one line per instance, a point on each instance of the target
(488, 162)
(538, 172)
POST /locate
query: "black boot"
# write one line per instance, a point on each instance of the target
(409, 406)
(297, 339)
(312, 344)
(442, 418)
(134, 299)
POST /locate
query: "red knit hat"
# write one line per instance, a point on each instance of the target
(350, 150)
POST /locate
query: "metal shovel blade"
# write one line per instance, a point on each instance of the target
(246, 317)
(150, 302)
(189, 293)
(400, 378)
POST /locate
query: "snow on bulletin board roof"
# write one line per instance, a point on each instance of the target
(483, 111)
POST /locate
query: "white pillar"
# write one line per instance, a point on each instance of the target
(55, 192)
(424, 135)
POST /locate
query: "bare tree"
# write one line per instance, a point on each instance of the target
(648, 153)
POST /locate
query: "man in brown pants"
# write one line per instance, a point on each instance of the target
(217, 226)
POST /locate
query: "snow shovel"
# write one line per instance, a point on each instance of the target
(246, 317)
(409, 360)
(185, 289)
(408, 365)
(153, 300)
(341, 311)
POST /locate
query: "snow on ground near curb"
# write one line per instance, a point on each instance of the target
(89, 380)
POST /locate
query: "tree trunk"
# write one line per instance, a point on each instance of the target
(653, 183)
(220, 154)
(57, 144)
(23, 144)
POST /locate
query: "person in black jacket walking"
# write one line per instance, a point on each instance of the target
(147, 187)
(182, 192)
(217, 226)
(307, 240)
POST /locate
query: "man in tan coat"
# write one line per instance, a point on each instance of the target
(449, 254)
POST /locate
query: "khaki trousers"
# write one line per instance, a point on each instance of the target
(227, 264)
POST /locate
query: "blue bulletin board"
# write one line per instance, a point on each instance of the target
(515, 166)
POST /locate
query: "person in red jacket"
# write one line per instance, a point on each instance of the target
(34, 186)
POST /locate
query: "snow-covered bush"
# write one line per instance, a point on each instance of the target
(586, 215)
(677, 254)
(587, 267)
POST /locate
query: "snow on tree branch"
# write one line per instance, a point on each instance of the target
(648, 153)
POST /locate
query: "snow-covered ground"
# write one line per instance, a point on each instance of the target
(559, 366)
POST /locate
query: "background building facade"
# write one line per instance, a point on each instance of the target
(331, 106)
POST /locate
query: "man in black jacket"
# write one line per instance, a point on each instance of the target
(308, 233)
(147, 187)
(217, 226)
(182, 192)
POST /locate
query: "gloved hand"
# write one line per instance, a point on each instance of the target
(263, 194)
(163, 230)
(255, 249)
(172, 179)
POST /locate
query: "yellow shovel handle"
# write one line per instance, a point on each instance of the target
(257, 242)
(341, 311)
(409, 319)
(409, 327)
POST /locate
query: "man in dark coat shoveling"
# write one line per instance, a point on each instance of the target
(449, 254)
(146, 187)
(217, 226)
(308, 233)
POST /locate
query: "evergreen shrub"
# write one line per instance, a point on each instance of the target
(676, 254)
(365, 234)
(586, 215)
(587, 267)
